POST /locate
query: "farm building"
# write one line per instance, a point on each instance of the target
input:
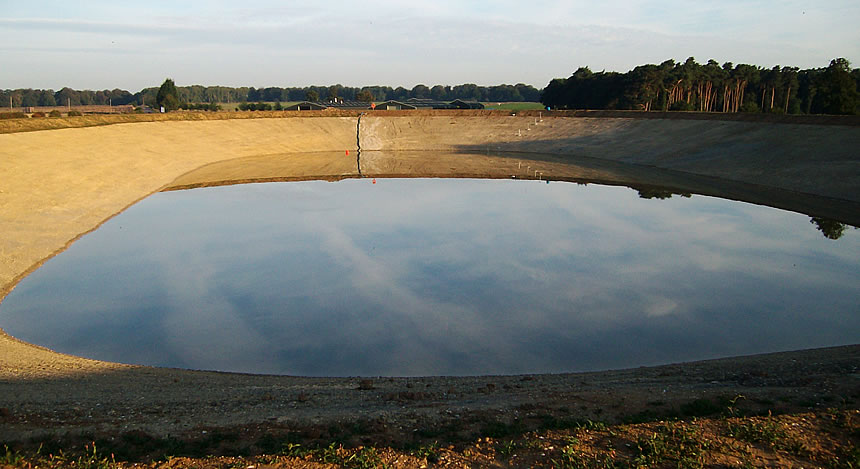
(392, 105)
(343, 104)
(463, 104)
(434, 104)
(425, 103)
(306, 106)
(319, 106)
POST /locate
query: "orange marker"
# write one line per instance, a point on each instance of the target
(347, 153)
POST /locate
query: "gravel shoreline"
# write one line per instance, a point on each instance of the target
(182, 403)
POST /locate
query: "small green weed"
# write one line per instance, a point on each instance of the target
(672, 442)
(334, 453)
(429, 452)
(362, 458)
(329, 454)
(506, 448)
(732, 405)
(594, 425)
(90, 459)
(573, 459)
(11, 458)
(768, 432)
(852, 457)
(295, 450)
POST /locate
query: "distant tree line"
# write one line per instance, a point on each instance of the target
(689, 86)
(225, 94)
(66, 96)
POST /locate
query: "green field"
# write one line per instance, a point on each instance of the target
(514, 106)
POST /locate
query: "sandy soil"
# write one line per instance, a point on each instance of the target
(811, 159)
(57, 185)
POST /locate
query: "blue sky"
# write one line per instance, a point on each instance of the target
(132, 45)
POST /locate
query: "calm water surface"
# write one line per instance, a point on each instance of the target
(425, 277)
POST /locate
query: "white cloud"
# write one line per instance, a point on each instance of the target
(115, 44)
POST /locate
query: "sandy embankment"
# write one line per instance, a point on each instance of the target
(57, 185)
(812, 159)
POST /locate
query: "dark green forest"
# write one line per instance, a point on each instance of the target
(710, 87)
(669, 86)
(225, 94)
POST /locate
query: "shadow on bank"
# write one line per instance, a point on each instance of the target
(832, 216)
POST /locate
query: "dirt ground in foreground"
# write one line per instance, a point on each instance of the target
(57, 185)
(788, 409)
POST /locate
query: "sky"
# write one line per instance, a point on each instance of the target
(133, 44)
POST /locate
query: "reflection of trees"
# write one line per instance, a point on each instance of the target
(831, 229)
(658, 193)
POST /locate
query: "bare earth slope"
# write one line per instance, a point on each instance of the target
(57, 185)
(814, 159)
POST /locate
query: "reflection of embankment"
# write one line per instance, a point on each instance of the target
(583, 170)
(304, 166)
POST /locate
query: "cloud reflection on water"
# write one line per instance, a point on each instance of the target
(414, 277)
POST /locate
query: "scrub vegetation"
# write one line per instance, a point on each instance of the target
(825, 438)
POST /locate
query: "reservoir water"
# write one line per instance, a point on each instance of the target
(440, 277)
